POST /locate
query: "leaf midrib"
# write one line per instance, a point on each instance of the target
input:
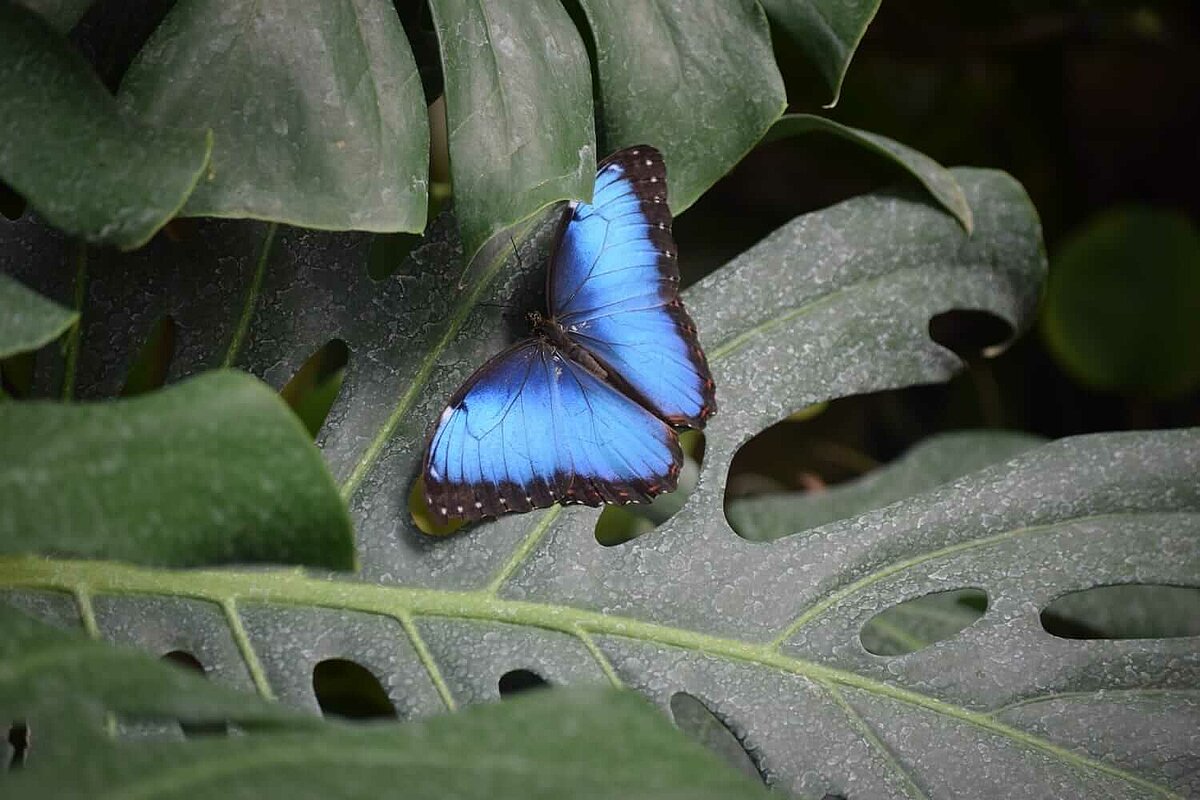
(399, 602)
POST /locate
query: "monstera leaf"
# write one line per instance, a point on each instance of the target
(766, 635)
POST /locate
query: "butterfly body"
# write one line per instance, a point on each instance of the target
(582, 412)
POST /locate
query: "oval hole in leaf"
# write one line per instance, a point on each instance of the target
(149, 369)
(421, 515)
(1126, 611)
(18, 744)
(694, 719)
(346, 689)
(520, 680)
(186, 660)
(916, 624)
(836, 460)
(620, 524)
(313, 389)
(12, 205)
(971, 334)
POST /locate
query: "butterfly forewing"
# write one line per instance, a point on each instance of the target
(531, 428)
(614, 287)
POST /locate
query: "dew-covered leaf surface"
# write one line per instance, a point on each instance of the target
(315, 105)
(61, 685)
(765, 635)
(66, 147)
(213, 470)
(28, 320)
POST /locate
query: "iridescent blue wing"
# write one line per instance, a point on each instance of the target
(531, 428)
(614, 286)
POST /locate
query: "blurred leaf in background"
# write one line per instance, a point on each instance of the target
(1122, 306)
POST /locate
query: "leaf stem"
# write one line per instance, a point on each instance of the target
(75, 332)
(243, 326)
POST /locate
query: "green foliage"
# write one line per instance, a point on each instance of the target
(827, 31)
(518, 111)
(65, 145)
(856, 657)
(212, 470)
(316, 110)
(332, 131)
(1123, 303)
(62, 685)
(669, 78)
(28, 320)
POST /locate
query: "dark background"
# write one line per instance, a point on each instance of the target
(1094, 107)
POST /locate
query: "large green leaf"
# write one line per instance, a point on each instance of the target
(216, 469)
(518, 111)
(696, 79)
(765, 634)
(28, 320)
(60, 685)
(316, 106)
(83, 164)
(827, 31)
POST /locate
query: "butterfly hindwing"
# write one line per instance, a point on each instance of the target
(531, 428)
(614, 287)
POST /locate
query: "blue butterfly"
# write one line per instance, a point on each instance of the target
(583, 411)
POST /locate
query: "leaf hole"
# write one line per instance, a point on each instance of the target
(18, 744)
(923, 621)
(970, 333)
(1125, 611)
(346, 689)
(622, 523)
(313, 389)
(696, 720)
(835, 460)
(518, 681)
(186, 661)
(149, 370)
(12, 205)
(796, 462)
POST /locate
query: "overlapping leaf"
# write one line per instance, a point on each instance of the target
(316, 107)
(213, 470)
(65, 145)
(28, 320)
(61, 686)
